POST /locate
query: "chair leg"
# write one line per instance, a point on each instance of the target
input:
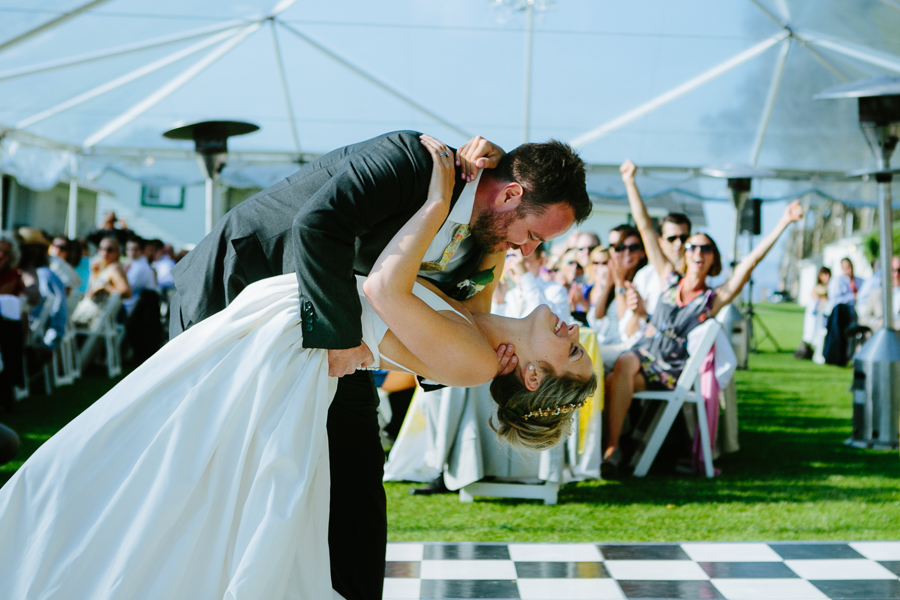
(703, 425)
(656, 440)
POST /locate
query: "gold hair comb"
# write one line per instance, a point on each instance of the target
(552, 412)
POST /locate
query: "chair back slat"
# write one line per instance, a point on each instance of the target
(692, 366)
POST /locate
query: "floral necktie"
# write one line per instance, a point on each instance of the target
(462, 232)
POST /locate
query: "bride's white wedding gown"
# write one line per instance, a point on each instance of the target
(202, 475)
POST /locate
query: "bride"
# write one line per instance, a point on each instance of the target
(204, 473)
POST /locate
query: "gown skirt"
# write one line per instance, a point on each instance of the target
(202, 475)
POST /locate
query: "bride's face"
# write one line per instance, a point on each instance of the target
(551, 342)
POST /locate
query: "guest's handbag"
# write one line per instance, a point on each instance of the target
(88, 311)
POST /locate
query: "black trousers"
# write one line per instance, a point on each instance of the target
(357, 526)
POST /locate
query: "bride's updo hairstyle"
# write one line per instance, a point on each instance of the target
(538, 420)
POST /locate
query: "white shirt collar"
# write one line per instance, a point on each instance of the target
(462, 211)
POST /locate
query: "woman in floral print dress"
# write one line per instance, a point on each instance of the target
(657, 360)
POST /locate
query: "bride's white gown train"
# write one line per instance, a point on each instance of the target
(203, 474)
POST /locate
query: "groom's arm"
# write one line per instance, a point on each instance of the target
(389, 178)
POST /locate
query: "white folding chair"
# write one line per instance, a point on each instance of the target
(105, 328)
(66, 364)
(36, 329)
(687, 389)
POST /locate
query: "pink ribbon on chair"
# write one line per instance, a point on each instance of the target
(709, 389)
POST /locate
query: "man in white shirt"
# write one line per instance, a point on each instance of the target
(871, 314)
(140, 274)
(674, 230)
(162, 263)
(530, 289)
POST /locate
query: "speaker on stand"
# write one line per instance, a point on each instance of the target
(751, 223)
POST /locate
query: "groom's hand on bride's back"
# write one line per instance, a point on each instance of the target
(346, 361)
(477, 153)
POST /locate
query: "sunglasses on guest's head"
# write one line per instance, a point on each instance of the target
(683, 237)
(703, 248)
(629, 248)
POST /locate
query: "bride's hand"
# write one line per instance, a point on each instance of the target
(477, 153)
(442, 176)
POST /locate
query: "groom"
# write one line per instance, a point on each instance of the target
(331, 219)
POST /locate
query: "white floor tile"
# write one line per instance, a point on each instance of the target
(405, 551)
(555, 553)
(854, 568)
(570, 589)
(468, 569)
(768, 589)
(712, 552)
(878, 550)
(656, 570)
(400, 589)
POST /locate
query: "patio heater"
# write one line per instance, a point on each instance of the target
(876, 378)
(211, 144)
(739, 179)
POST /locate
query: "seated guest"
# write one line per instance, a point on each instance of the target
(42, 286)
(844, 288)
(80, 259)
(583, 242)
(140, 274)
(814, 315)
(10, 276)
(627, 258)
(603, 315)
(528, 290)
(107, 277)
(869, 284)
(60, 256)
(872, 313)
(159, 256)
(656, 361)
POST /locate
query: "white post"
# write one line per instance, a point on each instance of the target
(210, 202)
(2, 212)
(72, 229)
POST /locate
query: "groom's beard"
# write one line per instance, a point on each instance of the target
(490, 230)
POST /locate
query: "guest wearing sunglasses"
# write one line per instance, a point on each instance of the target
(657, 360)
(674, 231)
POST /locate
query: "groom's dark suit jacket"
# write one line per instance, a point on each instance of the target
(327, 221)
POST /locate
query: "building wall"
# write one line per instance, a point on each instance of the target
(48, 209)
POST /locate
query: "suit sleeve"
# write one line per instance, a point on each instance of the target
(386, 179)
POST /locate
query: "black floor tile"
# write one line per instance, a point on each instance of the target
(643, 552)
(669, 590)
(394, 568)
(891, 565)
(466, 552)
(886, 589)
(457, 588)
(801, 550)
(561, 570)
(747, 570)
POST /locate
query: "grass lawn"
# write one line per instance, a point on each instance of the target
(793, 478)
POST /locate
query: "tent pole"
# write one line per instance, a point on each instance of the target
(173, 84)
(677, 91)
(72, 214)
(2, 211)
(51, 24)
(885, 60)
(90, 57)
(529, 34)
(123, 80)
(284, 87)
(770, 102)
(371, 79)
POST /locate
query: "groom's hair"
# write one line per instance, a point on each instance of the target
(550, 173)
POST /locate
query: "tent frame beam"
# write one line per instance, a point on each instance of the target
(284, 87)
(677, 91)
(90, 57)
(124, 79)
(51, 24)
(372, 79)
(770, 102)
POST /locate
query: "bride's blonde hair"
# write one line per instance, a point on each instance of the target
(540, 419)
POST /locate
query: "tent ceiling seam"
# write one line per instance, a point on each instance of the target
(372, 79)
(770, 102)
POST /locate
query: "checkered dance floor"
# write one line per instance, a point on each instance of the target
(736, 571)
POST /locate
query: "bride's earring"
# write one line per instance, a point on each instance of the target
(531, 367)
